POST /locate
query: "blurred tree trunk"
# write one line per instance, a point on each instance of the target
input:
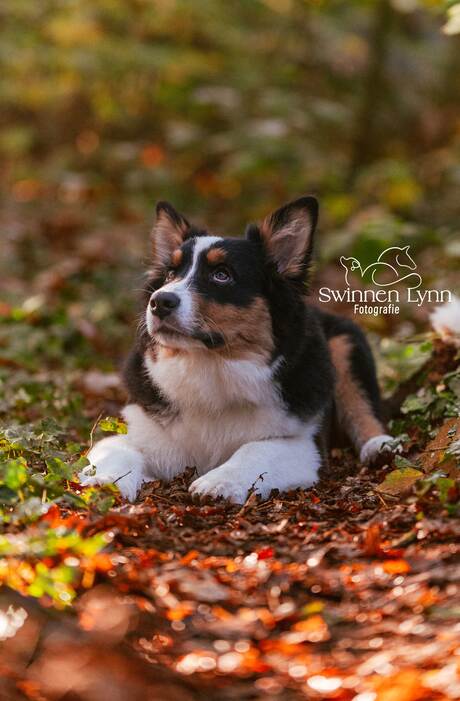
(364, 137)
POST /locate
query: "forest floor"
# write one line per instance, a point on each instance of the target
(348, 590)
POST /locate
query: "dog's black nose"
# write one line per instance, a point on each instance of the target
(163, 303)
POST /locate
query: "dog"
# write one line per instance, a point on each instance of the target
(233, 371)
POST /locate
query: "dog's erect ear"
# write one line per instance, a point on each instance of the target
(168, 233)
(287, 235)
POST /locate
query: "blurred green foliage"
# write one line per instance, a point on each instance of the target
(230, 108)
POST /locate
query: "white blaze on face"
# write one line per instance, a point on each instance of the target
(184, 316)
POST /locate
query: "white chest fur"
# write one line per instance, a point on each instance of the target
(200, 381)
(222, 405)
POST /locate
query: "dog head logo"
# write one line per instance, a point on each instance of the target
(393, 266)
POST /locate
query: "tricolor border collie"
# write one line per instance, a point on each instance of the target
(233, 372)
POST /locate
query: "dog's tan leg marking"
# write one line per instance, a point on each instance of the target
(354, 410)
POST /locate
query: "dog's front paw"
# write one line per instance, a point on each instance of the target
(221, 483)
(114, 464)
(128, 482)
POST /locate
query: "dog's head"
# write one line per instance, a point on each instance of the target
(209, 292)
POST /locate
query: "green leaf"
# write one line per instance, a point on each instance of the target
(417, 402)
(13, 473)
(112, 424)
(403, 462)
(444, 485)
(399, 481)
(453, 382)
(58, 468)
(424, 486)
(426, 347)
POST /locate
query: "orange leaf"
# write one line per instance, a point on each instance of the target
(396, 567)
(152, 156)
(187, 559)
(403, 686)
(309, 624)
(182, 610)
(372, 544)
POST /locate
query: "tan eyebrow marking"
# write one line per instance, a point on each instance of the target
(216, 255)
(176, 257)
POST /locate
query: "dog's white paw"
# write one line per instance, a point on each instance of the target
(221, 482)
(128, 482)
(113, 462)
(374, 447)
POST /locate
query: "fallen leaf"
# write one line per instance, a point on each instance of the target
(396, 567)
(434, 456)
(399, 481)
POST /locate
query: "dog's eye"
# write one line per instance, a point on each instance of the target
(221, 276)
(170, 276)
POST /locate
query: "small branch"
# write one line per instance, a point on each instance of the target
(436, 450)
(91, 435)
(121, 477)
(251, 492)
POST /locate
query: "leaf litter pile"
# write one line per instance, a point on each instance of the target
(348, 590)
